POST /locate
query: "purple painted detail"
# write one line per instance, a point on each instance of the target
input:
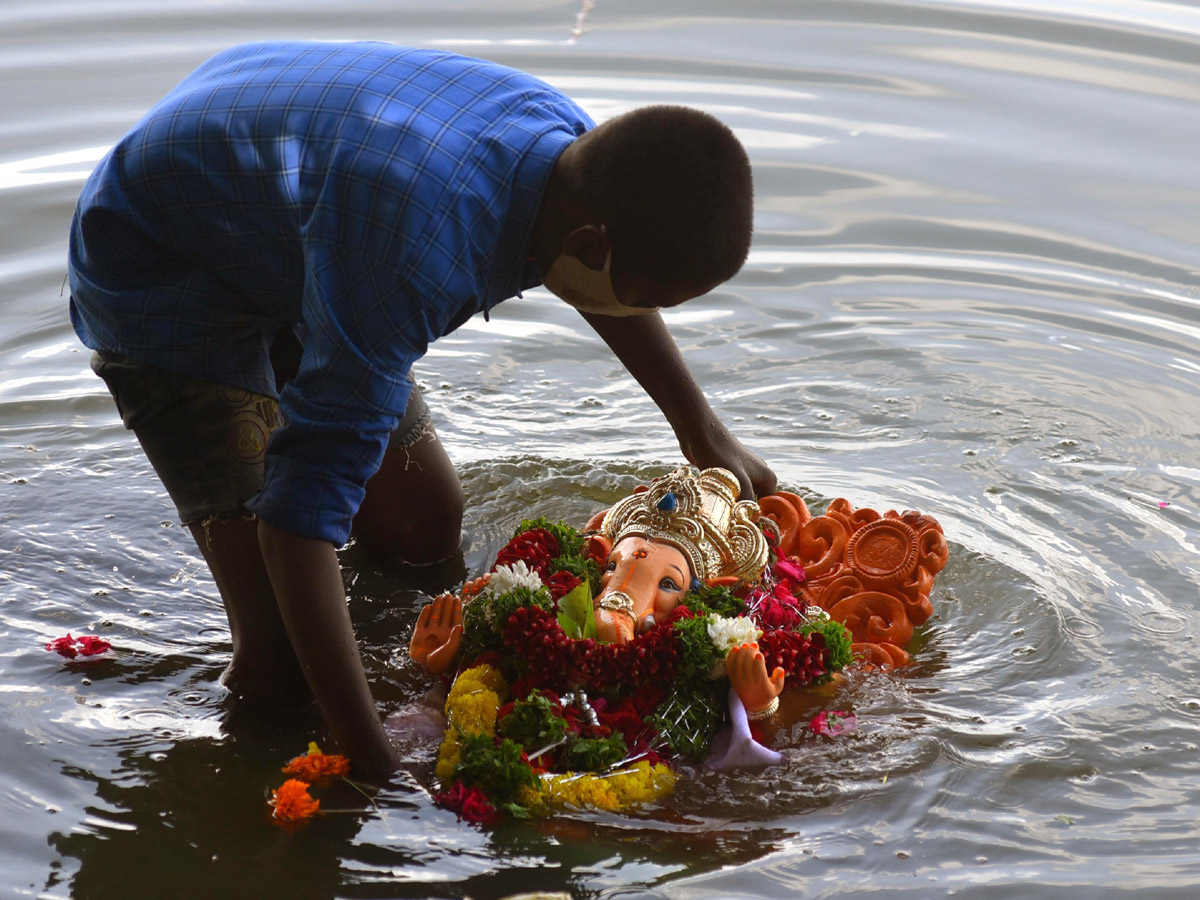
(734, 748)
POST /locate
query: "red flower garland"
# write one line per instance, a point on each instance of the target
(468, 803)
(556, 661)
(562, 583)
(535, 636)
(801, 656)
(537, 548)
(653, 655)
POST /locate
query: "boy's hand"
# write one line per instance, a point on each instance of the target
(645, 347)
(720, 448)
(747, 671)
(438, 634)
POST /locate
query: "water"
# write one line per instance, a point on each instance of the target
(974, 290)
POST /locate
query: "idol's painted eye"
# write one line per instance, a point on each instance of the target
(611, 566)
(668, 584)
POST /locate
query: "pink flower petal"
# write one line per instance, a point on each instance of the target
(789, 569)
(832, 724)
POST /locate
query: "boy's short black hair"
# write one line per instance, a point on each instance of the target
(673, 186)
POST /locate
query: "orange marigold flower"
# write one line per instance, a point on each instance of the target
(314, 767)
(293, 803)
(471, 589)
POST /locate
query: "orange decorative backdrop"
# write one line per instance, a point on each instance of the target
(871, 572)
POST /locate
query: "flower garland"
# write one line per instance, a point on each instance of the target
(540, 719)
(470, 748)
(470, 710)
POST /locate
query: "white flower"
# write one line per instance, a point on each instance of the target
(507, 578)
(503, 580)
(726, 633)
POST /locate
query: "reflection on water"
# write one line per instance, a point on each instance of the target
(974, 290)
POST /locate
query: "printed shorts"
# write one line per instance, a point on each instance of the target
(207, 441)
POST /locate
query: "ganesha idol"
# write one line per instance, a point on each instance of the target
(592, 665)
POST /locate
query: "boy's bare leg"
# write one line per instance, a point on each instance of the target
(412, 511)
(414, 504)
(264, 668)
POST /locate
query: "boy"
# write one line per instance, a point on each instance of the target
(267, 252)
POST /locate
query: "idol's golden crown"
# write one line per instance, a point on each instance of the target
(699, 514)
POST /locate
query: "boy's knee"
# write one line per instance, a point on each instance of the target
(421, 538)
(441, 536)
(413, 508)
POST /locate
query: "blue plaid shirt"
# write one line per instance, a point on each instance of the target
(370, 197)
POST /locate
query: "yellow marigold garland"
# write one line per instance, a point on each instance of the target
(615, 791)
(470, 709)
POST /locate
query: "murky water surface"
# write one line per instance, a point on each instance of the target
(975, 290)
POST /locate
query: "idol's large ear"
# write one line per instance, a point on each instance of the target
(597, 548)
(596, 522)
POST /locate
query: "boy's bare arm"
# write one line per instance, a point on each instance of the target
(312, 601)
(646, 348)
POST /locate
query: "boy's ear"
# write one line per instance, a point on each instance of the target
(589, 244)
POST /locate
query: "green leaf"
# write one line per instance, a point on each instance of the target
(719, 600)
(494, 767)
(837, 639)
(533, 724)
(594, 754)
(697, 655)
(575, 612)
(687, 720)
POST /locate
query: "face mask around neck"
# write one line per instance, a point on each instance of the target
(587, 289)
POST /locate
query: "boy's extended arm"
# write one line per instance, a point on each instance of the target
(308, 587)
(646, 348)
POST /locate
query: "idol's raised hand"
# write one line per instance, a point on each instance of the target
(438, 634)
(747, 671)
